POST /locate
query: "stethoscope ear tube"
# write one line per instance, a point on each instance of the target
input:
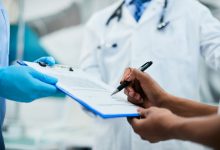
(117, 14)
(162, 25)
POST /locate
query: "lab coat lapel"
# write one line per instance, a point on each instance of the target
(127, 17)
(154, 9)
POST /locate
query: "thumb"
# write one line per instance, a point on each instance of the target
(134, 122)
(47, 60)
(44, 78)
(143, 112)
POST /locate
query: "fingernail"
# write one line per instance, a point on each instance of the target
(129, 77)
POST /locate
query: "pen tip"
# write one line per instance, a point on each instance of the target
(115, 92)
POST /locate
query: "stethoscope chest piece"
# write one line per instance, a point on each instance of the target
(162, 26)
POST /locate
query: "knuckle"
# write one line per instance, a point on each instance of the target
(34, 88)
(44, 78)
(137, 130)
(127, 69)
(143, 138)
(152, 141)
(152, 109)
(132, 70)
(132, 100)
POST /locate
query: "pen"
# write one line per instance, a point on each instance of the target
(126, 83)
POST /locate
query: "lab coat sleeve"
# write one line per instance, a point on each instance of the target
(88, 58)
(210, 38)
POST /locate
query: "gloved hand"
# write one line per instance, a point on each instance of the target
(24, 84)
(47, 60)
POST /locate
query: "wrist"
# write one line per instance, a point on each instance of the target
(164, 100)
(176, 127)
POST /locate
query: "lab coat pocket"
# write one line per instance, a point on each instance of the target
(106, 52)
(108, 48)
(110, 55)
(112, 48)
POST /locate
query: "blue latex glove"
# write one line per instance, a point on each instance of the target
(24, 84)
(47, 60)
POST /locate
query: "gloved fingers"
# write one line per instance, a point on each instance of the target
(43, 89)
(44, 78)
(59, 94)
(50, 61)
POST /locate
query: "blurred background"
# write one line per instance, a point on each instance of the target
(54, 27)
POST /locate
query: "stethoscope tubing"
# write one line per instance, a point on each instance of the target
(161, 25)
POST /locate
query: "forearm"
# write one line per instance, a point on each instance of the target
(188, 108)
(203, 130)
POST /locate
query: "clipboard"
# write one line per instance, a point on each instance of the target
(106, 107)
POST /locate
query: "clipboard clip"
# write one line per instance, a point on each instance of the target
(42, 64)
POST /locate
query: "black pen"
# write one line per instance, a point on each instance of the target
(126, 83)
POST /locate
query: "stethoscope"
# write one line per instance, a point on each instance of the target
(162, 24)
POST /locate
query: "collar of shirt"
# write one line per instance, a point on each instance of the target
(132, 8)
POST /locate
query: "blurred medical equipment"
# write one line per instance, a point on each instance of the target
(65, 18)
(34, 28)
(21, 31)
(162, 24)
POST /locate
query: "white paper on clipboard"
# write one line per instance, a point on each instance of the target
(90, 92)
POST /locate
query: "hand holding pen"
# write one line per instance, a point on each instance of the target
(143, 90)
(126, 83)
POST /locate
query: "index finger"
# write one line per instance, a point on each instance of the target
(126, 75)
(133, 121)
(136, 124)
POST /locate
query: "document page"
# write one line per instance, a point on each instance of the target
(90, 92)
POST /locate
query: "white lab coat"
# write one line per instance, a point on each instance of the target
(193, 32)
